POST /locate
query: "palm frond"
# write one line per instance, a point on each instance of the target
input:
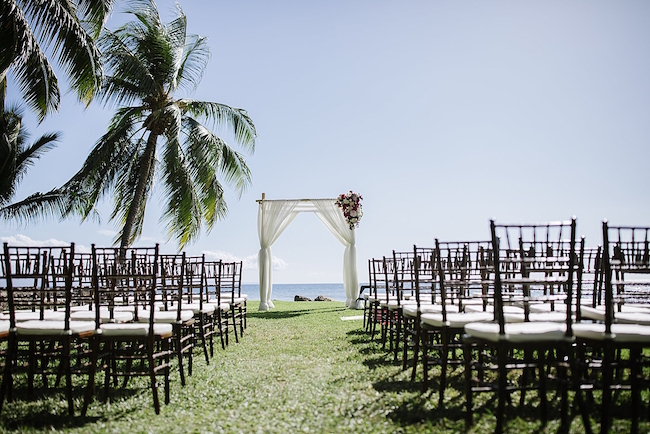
(193, 63)
(130, 79)
(45, 143)
(228, 162)
(56, 203)
(95, 12)
(226, 116)
(56, 23)
(29, 64)
(183, 207)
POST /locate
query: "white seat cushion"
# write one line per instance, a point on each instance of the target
(518, 332)
(53, 328)
(455, 320)
(536, 317)
(168, 317)
(28, 315)
(134, 329)
(196, 307)
(392, 304)
(620, 332)
(412, 309)
(104, 316)
(490, 308)
(558, 306)
(632, 318)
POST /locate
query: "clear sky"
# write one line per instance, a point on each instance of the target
(442, 114)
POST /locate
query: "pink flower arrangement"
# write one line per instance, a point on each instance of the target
(351, 204)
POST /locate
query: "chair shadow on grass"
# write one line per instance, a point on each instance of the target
(417, 406)
(46, 408)
(284, 314)
(37, 412)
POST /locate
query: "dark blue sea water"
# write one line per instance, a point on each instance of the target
(287, 291)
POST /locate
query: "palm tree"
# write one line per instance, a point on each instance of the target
(28, 28)
(17, 157)
(147, 62)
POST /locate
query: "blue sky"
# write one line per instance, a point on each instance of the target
(441, 114)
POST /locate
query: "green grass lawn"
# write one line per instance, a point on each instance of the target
(299, 368)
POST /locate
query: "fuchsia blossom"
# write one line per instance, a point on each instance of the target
(351, 204)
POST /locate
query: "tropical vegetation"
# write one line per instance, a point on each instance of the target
(20, 155)
(155, 136)
(29, 30)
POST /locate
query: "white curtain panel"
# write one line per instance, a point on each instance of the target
(273, 218)
(332, 217)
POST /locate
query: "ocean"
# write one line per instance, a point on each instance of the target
(287, 291)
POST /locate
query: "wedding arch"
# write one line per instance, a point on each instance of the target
(274, 216)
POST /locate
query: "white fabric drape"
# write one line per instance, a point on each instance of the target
(330, 214)
(273, 218)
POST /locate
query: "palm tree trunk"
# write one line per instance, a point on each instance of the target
(145, 168)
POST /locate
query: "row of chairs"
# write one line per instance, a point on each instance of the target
(532, 308)
(124, 312)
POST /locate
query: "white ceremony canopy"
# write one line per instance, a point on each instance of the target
(273, 218)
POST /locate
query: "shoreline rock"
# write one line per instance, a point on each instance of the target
(303, 298)
(322, 298)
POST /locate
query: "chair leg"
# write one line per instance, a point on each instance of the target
(416, 347)
(502, 358)
(203, 340)
(152, 374)
(179, 352)
(407, 337)
(167, 359)
(68, 373)
(444, 337)
(92, 368)
(541, 362)
(467, 355)
(425, 359)
(607, 392)
(7, 376)
(109, 348)
(234, 324)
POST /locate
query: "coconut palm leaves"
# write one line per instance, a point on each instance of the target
(16, 156)
(30, 27)
(154, 137)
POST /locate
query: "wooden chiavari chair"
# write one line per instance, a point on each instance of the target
(172, 309)
(610, 350)
(128, 280)
(459, 273)
(41, 334)
(221, 317)
(529, 261)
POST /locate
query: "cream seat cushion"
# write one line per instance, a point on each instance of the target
(455, 320)
(620, 332)
(168, 317)
(53, 328)
(518, 332)
(536, 317)
(104, 316)
(135, 329)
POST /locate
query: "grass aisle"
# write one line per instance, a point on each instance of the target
(299, 368)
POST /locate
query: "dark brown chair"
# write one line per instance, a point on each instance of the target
(529, 261)
(41, 336)
(127, 280)
(610, 350)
